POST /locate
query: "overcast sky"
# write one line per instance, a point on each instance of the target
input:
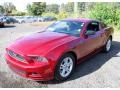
(21, 4)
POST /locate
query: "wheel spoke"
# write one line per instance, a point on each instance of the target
(62, 66)
(66, 61)
(63, 72)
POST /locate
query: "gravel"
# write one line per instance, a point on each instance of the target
(102, 70)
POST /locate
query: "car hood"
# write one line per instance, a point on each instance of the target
(40, 42)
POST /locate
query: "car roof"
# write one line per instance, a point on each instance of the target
(81, 20)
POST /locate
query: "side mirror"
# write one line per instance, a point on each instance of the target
(90, 32)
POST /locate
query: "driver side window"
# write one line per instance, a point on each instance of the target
(93, 26)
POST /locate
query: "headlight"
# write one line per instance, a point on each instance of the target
(38, 58)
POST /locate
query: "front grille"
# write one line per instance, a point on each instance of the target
(15, 55)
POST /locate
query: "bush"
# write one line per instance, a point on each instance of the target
(107, 13)
(49, 14)
(18, 13)
(118, 18)
(101, 12)
(62, 15)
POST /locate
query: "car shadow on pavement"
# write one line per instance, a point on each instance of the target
(92, 64)
(8, 26)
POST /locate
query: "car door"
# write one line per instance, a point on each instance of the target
(93, 40)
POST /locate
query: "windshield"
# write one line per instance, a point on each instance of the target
(68, 27)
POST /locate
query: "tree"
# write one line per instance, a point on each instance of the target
(18, 13)
(81, 7)
(2, 10)
(69, 7)
(53, 8)
(9, 7)
(36, 8)
(106, 13)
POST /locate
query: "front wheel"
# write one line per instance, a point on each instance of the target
(65, 67)
(108, 45)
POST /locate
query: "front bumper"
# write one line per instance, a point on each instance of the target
(41, 71)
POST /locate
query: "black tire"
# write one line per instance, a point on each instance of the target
(58, 76)
(105, 46)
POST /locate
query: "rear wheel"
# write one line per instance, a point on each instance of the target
(107, 46)
(65, 67)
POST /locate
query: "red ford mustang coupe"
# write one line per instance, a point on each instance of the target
(54, 53)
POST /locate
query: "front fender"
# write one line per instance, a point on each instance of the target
(54, 55)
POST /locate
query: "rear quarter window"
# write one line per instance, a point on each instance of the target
(103, 25)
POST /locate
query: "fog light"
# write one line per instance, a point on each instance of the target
(35, 75)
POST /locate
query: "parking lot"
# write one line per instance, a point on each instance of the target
(102, 70)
